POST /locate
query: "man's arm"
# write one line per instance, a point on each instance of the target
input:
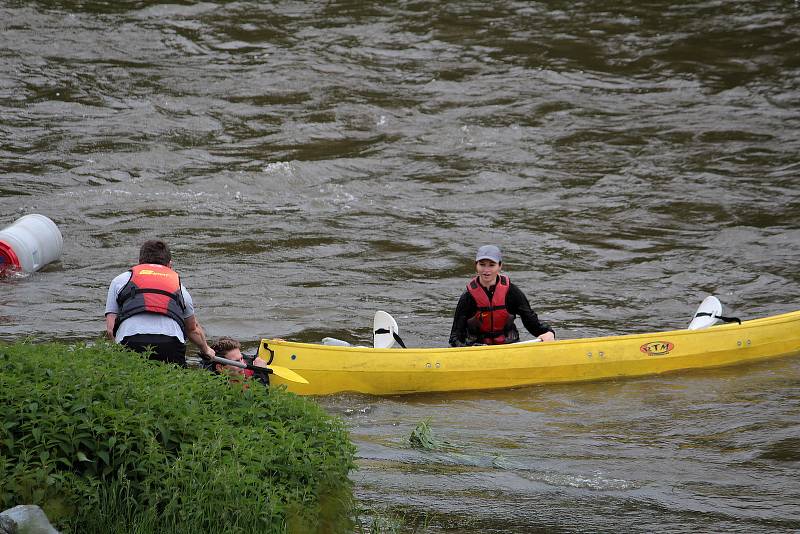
(196, 335)
(112, 306)
(518, 304)
(464, 310)
(111, 318)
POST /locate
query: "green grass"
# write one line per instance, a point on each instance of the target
(105, 440)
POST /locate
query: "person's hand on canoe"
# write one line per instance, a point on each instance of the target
(548, 336)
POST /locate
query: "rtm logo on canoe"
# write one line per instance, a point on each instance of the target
(657, 348)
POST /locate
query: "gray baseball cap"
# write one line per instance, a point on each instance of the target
(489, 252)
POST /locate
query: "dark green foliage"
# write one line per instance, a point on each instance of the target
(105, 440)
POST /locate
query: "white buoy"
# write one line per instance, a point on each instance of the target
(30, 243)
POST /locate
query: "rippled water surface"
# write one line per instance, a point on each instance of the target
(312, 162)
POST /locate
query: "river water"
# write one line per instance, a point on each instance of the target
(312, 162)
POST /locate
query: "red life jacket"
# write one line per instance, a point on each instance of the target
(152, 288)
(492, 321)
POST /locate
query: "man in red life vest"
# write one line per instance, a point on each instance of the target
(486, 310)
(148, 307)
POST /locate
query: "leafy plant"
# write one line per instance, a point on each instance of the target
(106, 440)
(422, 438)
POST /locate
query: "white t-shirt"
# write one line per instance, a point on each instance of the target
(145, 323)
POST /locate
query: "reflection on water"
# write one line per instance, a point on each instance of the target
(313, 162)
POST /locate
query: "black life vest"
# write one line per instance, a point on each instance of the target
(152, 288)
(491, 324)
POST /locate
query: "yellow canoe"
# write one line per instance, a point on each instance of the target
(334, 369)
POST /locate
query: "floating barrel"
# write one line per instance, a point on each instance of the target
(30, 243)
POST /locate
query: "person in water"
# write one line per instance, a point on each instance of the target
(486, 310)
(147, 308)
(230, 349)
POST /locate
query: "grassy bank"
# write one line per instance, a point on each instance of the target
(107, 441)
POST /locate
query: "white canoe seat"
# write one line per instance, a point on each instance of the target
(708, 313)
(385, 332)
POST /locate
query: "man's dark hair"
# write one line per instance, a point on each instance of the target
(155, 251)
(224, 345)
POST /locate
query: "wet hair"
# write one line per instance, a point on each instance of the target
(155, 251)
(224, 345)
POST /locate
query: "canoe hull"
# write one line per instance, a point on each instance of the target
(335, 369)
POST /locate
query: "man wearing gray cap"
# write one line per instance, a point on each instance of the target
(486, 310)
